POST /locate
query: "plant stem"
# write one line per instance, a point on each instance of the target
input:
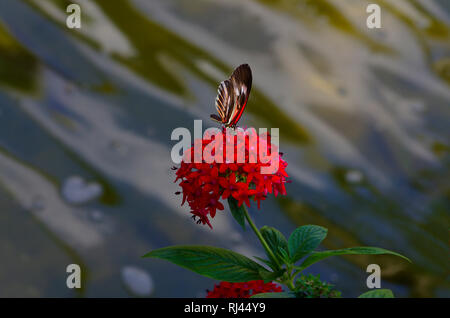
(290, 284)
(289, 279)
(260, 237)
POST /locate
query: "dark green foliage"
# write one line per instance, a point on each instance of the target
(310, 286)
(377, 293)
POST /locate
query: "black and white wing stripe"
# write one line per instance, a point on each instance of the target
(224, 101)
(232, 96)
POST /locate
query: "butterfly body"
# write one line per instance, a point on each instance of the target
(232, 96)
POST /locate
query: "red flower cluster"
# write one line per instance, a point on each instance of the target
(242, 290)
(203, 184)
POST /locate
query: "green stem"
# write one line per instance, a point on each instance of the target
(290, 284)
(288, 278)
(260, 237)
(288, 281)
(296, 272)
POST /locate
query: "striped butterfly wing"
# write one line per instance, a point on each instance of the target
(241, 80)
(224, 101)
(233, 95)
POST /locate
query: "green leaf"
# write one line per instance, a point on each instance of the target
(267, 262)
(304, 240)
(274, 295)
(276, 241)
(213, 262)
(377, 293)
(285, 256)
(237, 211)
(270, 276)
(318, 256)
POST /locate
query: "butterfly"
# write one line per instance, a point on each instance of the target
(232, 96)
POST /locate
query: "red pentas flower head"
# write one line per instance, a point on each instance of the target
(242, 290)
(240, 164)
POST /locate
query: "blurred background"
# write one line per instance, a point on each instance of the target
(86, 116)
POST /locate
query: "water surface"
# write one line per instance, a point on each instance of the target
(364, 118)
